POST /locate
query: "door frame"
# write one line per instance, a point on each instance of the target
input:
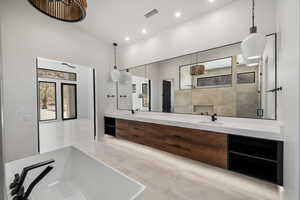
(171, 80)
(62, 101)
(95, 99)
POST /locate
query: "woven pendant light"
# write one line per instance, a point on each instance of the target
(65, 10)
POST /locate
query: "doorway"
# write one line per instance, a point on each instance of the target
(166, 96)
(66, 104)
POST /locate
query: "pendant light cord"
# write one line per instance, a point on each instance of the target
(253, 28)
(253, 13)
(115, 52)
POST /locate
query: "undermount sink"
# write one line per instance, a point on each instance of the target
(210, 122)
(76, 176)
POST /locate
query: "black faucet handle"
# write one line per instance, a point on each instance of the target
(18, 193)
(214, 117)
(15, 182)
(22, 195)
(24, 173)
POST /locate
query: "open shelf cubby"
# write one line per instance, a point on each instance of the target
(110, 126)
(256, 157)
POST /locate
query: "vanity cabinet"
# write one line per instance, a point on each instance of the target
(258, 158)
(207, 147)
(255, 157)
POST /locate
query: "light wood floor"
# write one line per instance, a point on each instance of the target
(171, 177)
(166, 176)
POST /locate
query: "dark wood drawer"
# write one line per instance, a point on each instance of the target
(204, 146)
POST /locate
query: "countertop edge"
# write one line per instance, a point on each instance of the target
(263, 134)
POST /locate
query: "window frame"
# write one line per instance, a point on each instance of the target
(53, 70)
(215, 86)
(252, 72)
(205, 61)
(39, 105)
(62, 101)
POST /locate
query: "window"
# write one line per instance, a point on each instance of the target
(185, 77)
(222, 80)
(246, 78)
(53, 74)
(69, 101)
(47, 101)
(145, 95)
(214, 73)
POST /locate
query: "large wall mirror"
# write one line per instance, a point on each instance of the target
(203, 83)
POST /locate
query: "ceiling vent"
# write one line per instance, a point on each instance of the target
(151, 13)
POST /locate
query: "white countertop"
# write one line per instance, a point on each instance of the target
(266, 129)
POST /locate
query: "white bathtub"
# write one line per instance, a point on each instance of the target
(76, 176)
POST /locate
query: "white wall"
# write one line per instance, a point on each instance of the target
(2, 187)
(85, 93)
(223, 26)
(153, 74)
(124, 94)
(27, 34)
(288, 99)
(268, 83)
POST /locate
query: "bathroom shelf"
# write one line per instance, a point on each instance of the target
(259, 158)
(253, 167)
(254, 157)
(110, 126)
(261, 148)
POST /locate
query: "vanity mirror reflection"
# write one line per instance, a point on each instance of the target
(218, 81)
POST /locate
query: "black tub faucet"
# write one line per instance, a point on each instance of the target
(17, 187)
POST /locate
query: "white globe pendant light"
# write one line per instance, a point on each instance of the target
(115, 73)
(126, 76)
(253, 45)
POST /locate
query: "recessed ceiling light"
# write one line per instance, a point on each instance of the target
(211, 1)
(127, 38)
(178, 14)
(144, 31)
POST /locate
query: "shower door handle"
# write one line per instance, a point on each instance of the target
(275, 90)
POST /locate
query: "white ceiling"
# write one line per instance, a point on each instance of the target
(113, 20)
